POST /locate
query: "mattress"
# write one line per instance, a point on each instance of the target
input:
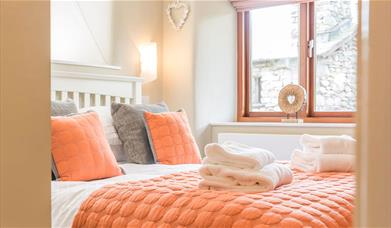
(67, 196)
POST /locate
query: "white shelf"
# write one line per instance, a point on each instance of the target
(66, 62)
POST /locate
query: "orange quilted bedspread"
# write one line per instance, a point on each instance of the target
(315, 200)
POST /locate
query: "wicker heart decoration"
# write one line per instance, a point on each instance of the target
(291, 98)
(182, 10)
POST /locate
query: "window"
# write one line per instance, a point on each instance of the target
(312, 44)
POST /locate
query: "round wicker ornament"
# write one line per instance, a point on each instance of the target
(291, 98)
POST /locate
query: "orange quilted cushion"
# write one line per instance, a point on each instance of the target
(80, 149)
(171, 138)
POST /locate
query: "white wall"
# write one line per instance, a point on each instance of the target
(178, 65)
(107, 33)
(196, 66)
(135, 23)
(82, 31)
(199, 65)
(199, 71)
(215, 66)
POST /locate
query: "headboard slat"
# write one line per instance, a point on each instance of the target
(53, 95)
(97, 100)
(117, 99)
(107, 100)
(87, 101)
(76, 99)
(127, 100)
(64, 95)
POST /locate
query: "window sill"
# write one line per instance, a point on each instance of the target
(324, 120)
(279, 124)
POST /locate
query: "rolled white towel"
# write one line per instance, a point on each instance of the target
(303, 161)
(219, 177)
(343, 144)
(237, 155)
(311, 162)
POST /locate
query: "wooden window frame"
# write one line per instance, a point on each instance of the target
(306, 79)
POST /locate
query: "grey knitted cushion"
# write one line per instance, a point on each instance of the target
(128, 120)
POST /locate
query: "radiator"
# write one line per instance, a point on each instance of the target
(281, 145)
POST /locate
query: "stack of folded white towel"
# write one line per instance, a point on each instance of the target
(236, 167)
(325, 154)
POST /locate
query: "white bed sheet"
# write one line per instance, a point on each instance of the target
(67, 196)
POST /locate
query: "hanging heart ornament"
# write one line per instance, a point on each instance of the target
(181, 11)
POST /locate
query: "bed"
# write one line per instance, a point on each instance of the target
(168, 195)
(67, 197)
(316, 200)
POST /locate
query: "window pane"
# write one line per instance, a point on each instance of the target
(274, 35)
(336, 55)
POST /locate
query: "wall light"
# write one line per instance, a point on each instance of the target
(148, 60)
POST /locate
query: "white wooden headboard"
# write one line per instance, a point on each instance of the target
(88, 89)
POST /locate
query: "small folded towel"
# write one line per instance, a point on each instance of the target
(237, 155)
(315, 162)
(219, 177)
(343, 144)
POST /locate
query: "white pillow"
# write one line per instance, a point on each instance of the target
(115, 143)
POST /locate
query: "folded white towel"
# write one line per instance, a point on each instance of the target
(219, 177)
(316, 162)
(343, 144)
(238, 155)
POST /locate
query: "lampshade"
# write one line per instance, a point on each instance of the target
(148, 60)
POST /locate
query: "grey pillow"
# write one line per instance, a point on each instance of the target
(128, 120)
(63, 108)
